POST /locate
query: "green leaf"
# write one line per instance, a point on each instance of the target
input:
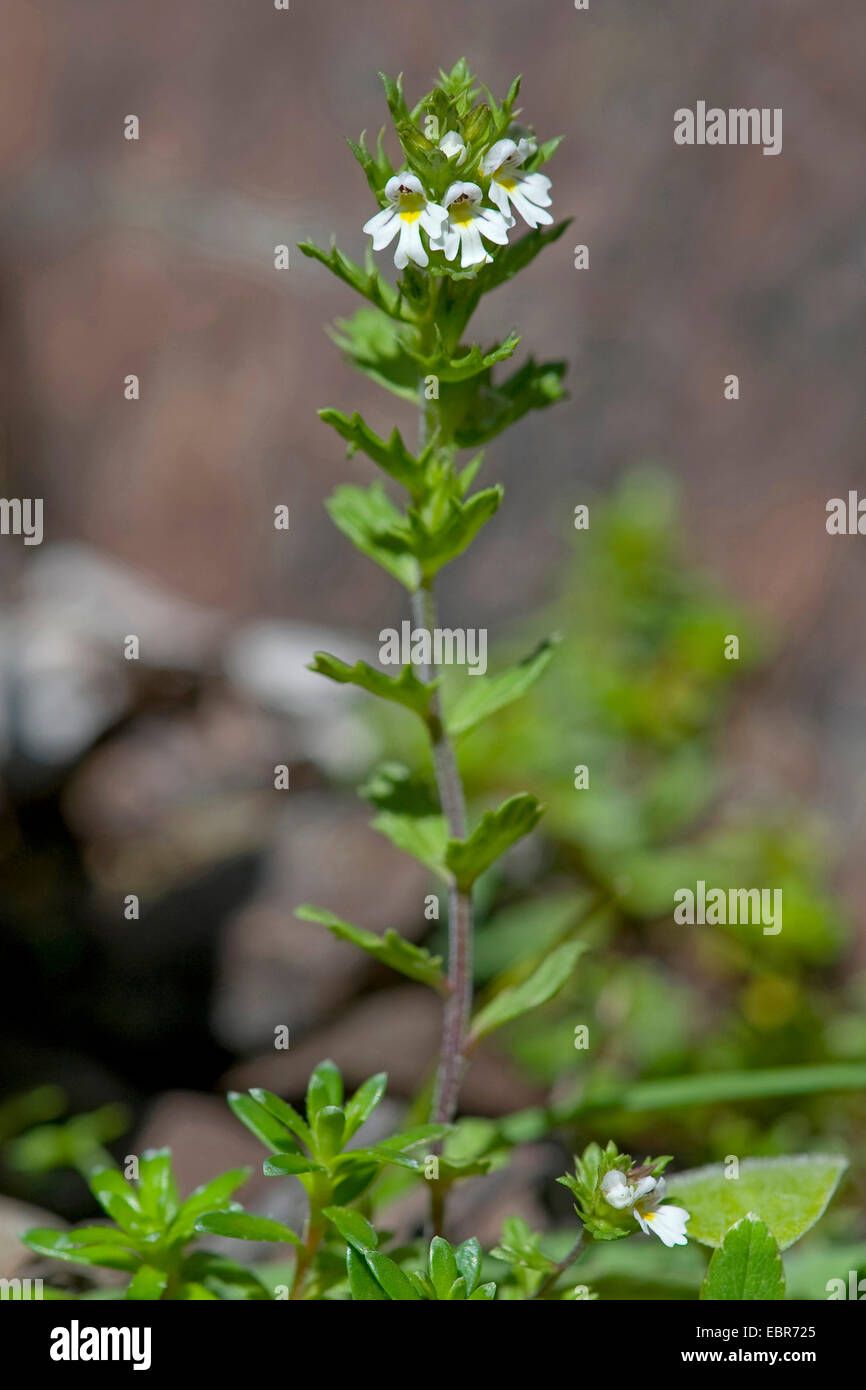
(511, 259)
(371, 342)
(542, 985)
(223, 1277)
(61, 1245)
(284, 1113)
(484, 695)
(487, 411)
(707, 1088)
(393, 458)
(424, 837)
(325, 1087)
(147, 1284)
(787, 1194)
(353, 1175)
(367, 516)
(362, 1285)
(369, 282)
(377, 169)
(747, 1266)
(328, 1131)
(436, 540)
(390, 1277)
(210, 1196)
(442, 1267)
(262, 1123)
(405, 689)
(353, 1227)
(496, 832)
(473, 362)
(240, 1226)
(118, 1199)
(362, 1104)
(468, 1257)
(485, 1293)
(289, 1165)
(391, 949)
(157, 1189)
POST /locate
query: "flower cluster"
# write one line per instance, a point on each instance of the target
(638, 1191)
(458, 219)
(612, 1194)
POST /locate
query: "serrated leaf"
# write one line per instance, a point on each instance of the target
(496, 832)
(391, 949)
(543, 984)
(405, 689)
(747, 1266)
(788, 1194)
(436, 543)
(473, 362)
(370, 341)
(370, 520)
(484, 695)
(424, 837)
(368, 283)
(241, 1226)
(392, 456)
(480, 416)
(517, 255)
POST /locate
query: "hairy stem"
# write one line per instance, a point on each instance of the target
(458, 1005)
(455, 1022)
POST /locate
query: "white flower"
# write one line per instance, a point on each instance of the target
(667, 1222)
(452, 145)
(509, 187)
(467, 222)
(410, 210)
(643, 1196)
(620, 1193)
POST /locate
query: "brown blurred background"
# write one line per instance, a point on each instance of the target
(155, 257)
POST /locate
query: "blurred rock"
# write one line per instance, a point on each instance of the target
(275, 969)
(399, 1028)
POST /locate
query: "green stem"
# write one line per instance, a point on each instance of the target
(314, 1231)
(574, 1253)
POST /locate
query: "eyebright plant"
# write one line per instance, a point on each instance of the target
(451, 208)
